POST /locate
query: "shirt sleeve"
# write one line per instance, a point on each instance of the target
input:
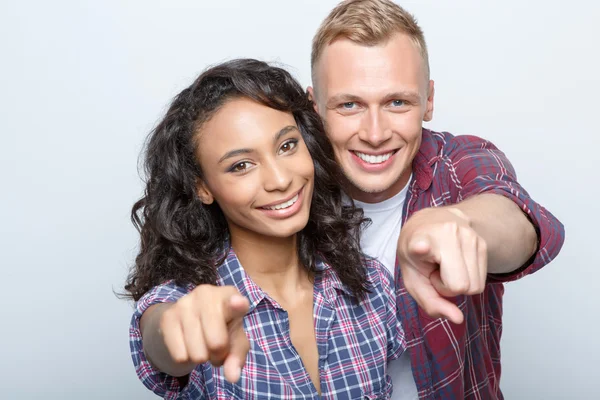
(477, 166)
(161, 384)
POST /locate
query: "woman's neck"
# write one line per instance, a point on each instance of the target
(272, 263)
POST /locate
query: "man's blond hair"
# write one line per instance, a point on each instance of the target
(368, 23)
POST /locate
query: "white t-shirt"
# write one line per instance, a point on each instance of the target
(380, 240)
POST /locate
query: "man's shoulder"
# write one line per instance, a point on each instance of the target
(445, 157)
(436, 144)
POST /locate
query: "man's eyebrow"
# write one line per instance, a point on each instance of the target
(342, 98)
(404, 94)
(237, 152)
(350, 98)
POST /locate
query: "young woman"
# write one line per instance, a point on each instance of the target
(249, 256)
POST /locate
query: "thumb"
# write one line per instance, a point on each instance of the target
(430, 300)
(451, 311)
(238, 350)
(443, 308)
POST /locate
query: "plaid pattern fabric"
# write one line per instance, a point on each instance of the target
(463, 361)
(355, 342)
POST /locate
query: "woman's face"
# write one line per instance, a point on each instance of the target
(257, 168)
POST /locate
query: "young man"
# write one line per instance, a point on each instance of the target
(449, 217)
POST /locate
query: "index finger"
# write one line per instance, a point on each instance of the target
(235, 307)
(229, 305)
(420, 247)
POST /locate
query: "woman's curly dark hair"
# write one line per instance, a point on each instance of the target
(183, 239)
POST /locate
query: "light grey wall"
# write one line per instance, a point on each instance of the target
(82, 82)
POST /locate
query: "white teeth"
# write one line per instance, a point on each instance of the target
(284, 205)
(374, 159)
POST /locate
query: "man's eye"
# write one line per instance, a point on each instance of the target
(287, 146)
(397, 103)
(349, 105)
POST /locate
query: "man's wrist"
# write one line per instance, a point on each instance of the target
(460, 214)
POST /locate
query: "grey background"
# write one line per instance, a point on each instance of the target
(82, 82)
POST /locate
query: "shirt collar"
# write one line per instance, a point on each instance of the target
(422, 164)
(326, 279)
(232, 273)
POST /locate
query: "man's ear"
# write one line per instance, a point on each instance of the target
(311, 97)
(204, 193)
(429, 106)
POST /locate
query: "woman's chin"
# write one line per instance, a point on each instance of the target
(287, 229)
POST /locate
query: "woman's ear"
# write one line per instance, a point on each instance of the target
(203, 192)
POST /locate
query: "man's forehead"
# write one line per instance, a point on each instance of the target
(398, 42)
(346, 67)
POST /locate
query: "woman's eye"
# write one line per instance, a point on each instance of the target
(287, 146)
(240, 167)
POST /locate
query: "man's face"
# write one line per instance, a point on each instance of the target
(373, 100)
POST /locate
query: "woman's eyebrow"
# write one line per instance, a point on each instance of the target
(233, 153)
(284, 131)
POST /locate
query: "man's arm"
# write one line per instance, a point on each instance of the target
(510, 236)
(490, 232)
(480, 168)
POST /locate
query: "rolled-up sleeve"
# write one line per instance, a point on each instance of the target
(161, 384)
(476, 166)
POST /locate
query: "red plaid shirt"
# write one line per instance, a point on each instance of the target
(463, 361)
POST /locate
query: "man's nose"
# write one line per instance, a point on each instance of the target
(374, 130)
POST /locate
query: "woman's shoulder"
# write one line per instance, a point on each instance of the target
(377, 273)
(167, 292)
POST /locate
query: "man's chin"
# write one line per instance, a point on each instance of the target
(360, 189)
(371, 188)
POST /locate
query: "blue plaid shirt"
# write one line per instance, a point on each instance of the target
(355, 342)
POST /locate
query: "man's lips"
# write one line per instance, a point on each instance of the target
(374, 157)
